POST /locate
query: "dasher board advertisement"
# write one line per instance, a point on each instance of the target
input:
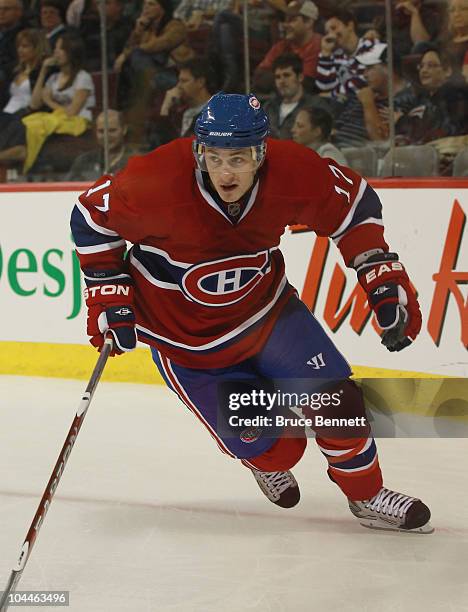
(41, 287)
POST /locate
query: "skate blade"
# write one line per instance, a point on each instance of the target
(380, 526)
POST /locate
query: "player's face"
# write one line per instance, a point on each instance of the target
(231, 171)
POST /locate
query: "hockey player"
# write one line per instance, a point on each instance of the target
(204, 285)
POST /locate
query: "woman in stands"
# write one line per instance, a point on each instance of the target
(31, 48)
(66, 95)
(146, 65)
(439, 106)
(312, 128)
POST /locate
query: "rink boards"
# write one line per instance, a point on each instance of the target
(42, 328)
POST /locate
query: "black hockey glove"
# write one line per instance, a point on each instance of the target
(392, 298)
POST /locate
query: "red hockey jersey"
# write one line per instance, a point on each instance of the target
(208, 290)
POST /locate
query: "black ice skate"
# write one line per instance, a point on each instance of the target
(281, 488)
(394, 511)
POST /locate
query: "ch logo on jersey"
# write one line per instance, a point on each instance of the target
(225, 281)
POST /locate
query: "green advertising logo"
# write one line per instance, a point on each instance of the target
(23, 262)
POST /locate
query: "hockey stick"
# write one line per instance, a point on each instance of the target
(56, 475)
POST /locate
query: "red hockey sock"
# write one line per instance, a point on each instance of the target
(353, 465)
(282, 456)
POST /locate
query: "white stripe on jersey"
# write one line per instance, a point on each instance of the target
(350, 215)
(97, 228)
(97, 248)
(165, 255)
(373, 220)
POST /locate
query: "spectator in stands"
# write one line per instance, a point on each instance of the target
(196, 84)
(261, 14)
(339, 73)
(224, 49)
(365, 116)
(90, 166)
(312, 128)
(144, 65)
(84, 16)
(11, 22)
(300, 38)
(52, 18)
(414, 22)
(67, 94)
(290, 97)
(32, 48)
(194, 13)
(456, 40)
(439, 106)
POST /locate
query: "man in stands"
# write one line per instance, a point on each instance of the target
(365, 116)
(290, 96)
(300, 38)
(195, 86)
(338, 71)
(90, 165)
(52, 18)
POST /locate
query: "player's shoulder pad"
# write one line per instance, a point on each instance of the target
(98, 194)
(302, 166)
(153, 171)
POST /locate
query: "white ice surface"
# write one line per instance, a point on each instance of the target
(150, 516)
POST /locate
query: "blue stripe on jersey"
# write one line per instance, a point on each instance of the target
(86, 236)
(370, 207)
(359, 460)
(159, 267)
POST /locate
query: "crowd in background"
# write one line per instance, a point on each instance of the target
(322, 69)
